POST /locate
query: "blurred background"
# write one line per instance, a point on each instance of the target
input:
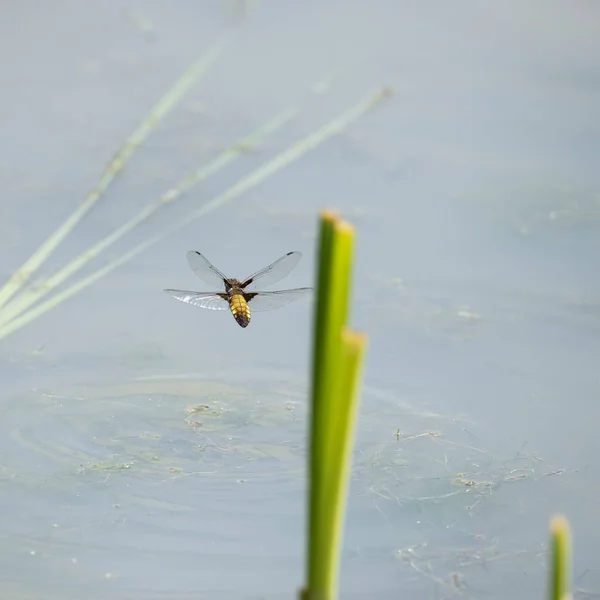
(151, 449)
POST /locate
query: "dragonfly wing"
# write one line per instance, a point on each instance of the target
(210, 300)
(271, 300)
(274, 272)
(204, 269)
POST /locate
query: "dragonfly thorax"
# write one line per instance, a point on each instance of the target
(234, 290)
(231, 284)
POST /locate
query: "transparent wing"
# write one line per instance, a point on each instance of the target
(274, 272)
(271, 300)
(204, 269)
(210, 300)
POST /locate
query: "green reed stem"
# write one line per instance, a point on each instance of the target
(337, 361)
(560, 566)
(342, 432)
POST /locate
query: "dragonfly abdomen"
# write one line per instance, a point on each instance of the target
(240, 310)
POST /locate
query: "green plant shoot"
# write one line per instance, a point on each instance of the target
(336, 369)
(560, 566)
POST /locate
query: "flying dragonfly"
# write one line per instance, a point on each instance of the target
(241, 296)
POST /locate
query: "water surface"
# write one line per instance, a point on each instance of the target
(151, 450)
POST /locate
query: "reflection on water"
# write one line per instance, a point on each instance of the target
(127, 479)
(151, 467)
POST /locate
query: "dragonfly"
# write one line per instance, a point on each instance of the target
(241, 297)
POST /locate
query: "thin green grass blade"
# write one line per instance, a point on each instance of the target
(32, 295)
(560, 566)
(283, 159)
(164, 106)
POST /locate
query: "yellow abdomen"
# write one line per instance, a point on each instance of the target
(240, 310)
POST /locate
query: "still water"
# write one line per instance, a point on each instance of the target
(154, 450)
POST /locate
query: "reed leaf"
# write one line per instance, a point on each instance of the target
(29, 296)
(280, 161)
(175, 94)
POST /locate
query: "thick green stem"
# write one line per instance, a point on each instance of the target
(560, 566)
(337, 360)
